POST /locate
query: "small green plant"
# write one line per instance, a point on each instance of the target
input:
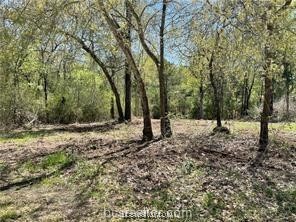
(56, 159)
(214, 204)
(30, 166)
(50, 162)
(187, 167)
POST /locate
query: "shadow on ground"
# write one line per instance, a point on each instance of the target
(6, 135)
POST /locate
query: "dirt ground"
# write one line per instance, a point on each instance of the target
(79, 172)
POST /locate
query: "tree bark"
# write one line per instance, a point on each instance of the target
(112, 113)
(45, 90)
(200, 114)
(214, 84)
(128, 80)
(268, 77)
(165, 121)
(287, 76)
(267, 100)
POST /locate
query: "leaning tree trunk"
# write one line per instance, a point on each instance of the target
(119, 36)
(105, 71)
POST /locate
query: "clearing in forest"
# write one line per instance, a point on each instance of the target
(75, 172)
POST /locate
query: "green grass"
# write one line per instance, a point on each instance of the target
(3, 167)
(53, 181)
(213, 203)
(21, 137)
(56, 159)
(50, 162)
(8, 215)
(255, 126)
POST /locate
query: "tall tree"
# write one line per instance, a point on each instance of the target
(128, 79)
(269, 19)
(159, 61)
(120, 37)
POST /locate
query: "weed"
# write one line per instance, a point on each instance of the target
(214, 204)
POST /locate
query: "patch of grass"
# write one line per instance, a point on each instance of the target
(162, 200)
(213, 203)
(255, 126)
(56, 160)
(30, 167)
(21, 137)
(286, 201)
(8, 215)
(3, 167)
(50, 162)
(53, 181)
(189, 167)
(86, 170)
(288, 127)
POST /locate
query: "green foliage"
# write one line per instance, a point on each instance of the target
(213, 203)
(56, 160)
(51, 162)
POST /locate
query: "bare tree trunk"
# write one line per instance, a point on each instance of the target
(287, 76)
(45, 90)
(165, 121)
(112, 113)
(128, 81)
(263, 141)
(200, 114)
(287, 100)
(215, 91)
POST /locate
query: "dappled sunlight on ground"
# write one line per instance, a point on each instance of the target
(75, 172)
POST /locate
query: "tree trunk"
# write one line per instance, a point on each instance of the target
(137, 104)
(164, 119)
(287, 100)
(45, 90)
(147, 131)
(216, 93)
(128, 83)
(267, 101)
(287, 76)
(200, 114)
(112, 112)
(106, 73)
(117, 100)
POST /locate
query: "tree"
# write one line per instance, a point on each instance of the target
(119, 36)
(269, 20)
(128, 82)
(158, 61)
